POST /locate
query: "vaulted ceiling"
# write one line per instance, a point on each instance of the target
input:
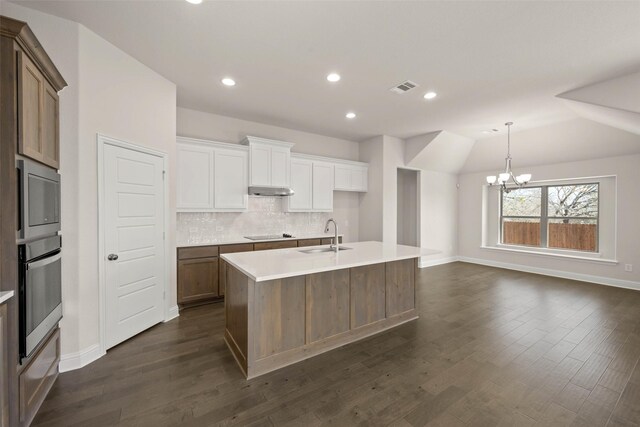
(489, 62)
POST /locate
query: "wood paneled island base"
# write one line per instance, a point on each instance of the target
(275, 323)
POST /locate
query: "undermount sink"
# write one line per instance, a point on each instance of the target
(320, 250)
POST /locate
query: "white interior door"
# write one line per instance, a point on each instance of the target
(133, 222)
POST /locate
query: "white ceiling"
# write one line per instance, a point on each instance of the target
(490, 62)
(570, 141)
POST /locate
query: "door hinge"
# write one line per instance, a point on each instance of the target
(164, 294)
(163, 174)
(163, 235)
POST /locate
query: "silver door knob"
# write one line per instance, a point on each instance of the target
(112, 257)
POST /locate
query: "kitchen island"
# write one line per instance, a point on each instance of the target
(284, 306)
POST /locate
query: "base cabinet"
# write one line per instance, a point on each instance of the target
(223, 266)
(37, 378)
(274, 323)
(203, 274)
(4, 379)
(198, 279)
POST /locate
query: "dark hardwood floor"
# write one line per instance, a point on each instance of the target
(492, 347)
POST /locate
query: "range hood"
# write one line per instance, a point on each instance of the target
(270, 191)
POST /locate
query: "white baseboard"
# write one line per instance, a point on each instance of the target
(69, 362)
(618, 283)
(173, 313)
(432, 262)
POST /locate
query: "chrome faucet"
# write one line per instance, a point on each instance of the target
(334, 245)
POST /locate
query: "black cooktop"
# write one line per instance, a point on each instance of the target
(270, 237)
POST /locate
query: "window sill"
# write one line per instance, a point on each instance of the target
(551, 254)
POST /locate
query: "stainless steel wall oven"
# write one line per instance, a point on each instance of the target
(40, 291)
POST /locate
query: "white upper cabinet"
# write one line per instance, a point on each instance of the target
(194, 177)
(351, 176)
(211, 176)
(270, 162)
(260, 173)
(323, 186)
(230, 179)
(312, 183)
(302, 185)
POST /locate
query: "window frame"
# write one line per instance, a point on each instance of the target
(544, 218)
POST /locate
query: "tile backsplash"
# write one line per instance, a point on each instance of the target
(266, 215)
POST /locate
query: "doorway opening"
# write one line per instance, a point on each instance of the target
(408, 207)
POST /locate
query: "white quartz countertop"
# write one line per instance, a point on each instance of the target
(280, 263)
(240, 240)
(5, 296)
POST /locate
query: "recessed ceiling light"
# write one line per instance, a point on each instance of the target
(430, 95)
(228, 81)
(195, 1)
(333, 77)
(350, 115)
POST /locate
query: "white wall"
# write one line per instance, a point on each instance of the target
(439, 215)
(123, 99)
(198, 124)
(393, 158)
(627, 170)
(379, 207)
(371, 202)
(111, 93)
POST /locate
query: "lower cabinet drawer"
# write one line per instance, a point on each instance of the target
(263, 246)
(309, 242)
(37, 378)
(328, 241)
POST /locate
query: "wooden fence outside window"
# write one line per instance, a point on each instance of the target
(581, 237)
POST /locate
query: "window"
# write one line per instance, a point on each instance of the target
(557, 217)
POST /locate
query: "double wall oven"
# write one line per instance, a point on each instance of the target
(39, 253)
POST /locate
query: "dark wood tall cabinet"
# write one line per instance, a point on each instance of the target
(4, 395)
(29, 126)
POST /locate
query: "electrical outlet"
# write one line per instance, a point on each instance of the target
(219, 228)
(628, 267)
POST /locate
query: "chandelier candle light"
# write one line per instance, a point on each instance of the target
(503, 178)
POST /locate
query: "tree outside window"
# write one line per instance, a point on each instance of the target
(560, 217)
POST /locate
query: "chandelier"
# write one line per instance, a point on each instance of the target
(504, 177)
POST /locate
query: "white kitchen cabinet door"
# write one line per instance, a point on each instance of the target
(280, 166)
(359, 179)
(302, 185)
(323, 184)
(194, 178)
(343, 177)
(350, 177)
(260, 165)
(230, 180)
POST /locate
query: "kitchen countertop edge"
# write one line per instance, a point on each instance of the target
(320, 269)
(5, 296)
(242, 240)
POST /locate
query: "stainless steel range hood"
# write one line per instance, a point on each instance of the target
(270, 191)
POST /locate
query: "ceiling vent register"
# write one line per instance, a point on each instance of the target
(404, 87)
